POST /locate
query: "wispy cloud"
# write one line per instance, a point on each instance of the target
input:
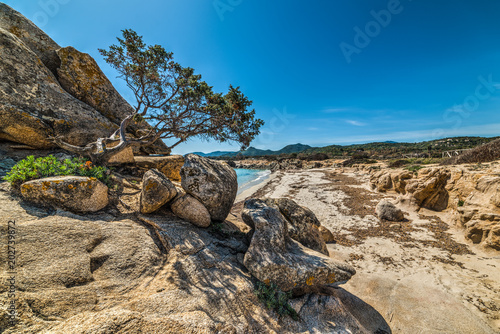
(312, 129)
(356, 123)
(414, 136)
(456, 108)
(335, 110)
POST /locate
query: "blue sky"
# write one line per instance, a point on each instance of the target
(319, 72)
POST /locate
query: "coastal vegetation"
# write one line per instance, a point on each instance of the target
(174, 102)
(31, 169)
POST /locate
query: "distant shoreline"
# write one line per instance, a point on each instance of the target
(259, 183)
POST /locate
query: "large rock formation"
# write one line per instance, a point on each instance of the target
(74, 193)
(212, 182)
(157, 190)
(56, 91)
(273, 257)
(155, 275)
(428, 188)
(472, 193)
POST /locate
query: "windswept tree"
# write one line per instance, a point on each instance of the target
(173, 100)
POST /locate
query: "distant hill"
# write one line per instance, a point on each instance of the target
(381, 150)
(255, 152)
(394, 148)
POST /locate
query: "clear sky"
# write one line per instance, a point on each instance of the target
(319, 72)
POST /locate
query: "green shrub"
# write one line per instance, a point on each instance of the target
(461, 203)
(275, 299)
(31, 168)
(414, 168)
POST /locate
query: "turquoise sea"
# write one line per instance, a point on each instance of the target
(248, 178)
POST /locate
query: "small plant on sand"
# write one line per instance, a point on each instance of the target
(275, 299)
(461, 203)
(31, 168)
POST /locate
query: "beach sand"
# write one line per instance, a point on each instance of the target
(421, 275)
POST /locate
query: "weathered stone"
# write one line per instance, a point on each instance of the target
(80, 76)
(493, 239)
(169, 165)
(73, 193)
(303, 226)
(57, 91)
(190, 209)
(495, 199)
(212, 182)
(34, 107)
(33, 37)
(326, 234)
(274, 257)
(388, 211)
(157, 190)
(429, 190)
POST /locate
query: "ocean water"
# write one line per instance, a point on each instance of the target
(248, 178)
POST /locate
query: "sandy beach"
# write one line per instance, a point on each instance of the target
(421, 275)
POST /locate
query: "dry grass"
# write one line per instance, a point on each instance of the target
(484, 153)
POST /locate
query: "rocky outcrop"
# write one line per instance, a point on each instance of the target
(35, 39)
(479, 213)
(274, 257)
(73, 193)
(211, 182)
(388, 211)
(157, 190)
(56, 91)
(303, 226)
(473, 194)
(80, 76)
(169, 165)
(37, 107)
(190, 209)
(428, 188)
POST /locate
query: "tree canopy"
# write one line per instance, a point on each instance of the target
(175, 102)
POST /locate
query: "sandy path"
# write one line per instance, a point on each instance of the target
(421, 275)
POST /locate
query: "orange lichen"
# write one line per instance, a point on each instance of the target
(310, 280)
(331, 278)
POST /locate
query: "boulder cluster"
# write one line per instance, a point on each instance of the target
(207, 193)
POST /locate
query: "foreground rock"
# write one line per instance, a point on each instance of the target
(73, 193)
(157, 190)
(274, 257)
(212, 182)
(388, 211)
(112, 275)
(303, 226)
(190, 209)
